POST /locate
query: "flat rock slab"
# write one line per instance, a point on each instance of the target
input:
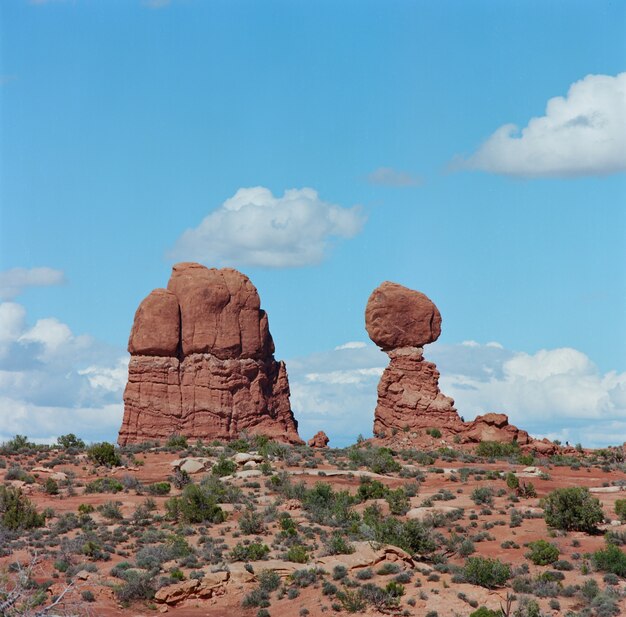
(365, 555)
(606, 489)
(424, 512)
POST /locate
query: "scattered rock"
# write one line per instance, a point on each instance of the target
(202, 363)
(606, 489)
(424, 512)
(319, 440)
(241, 458)
(493, 427)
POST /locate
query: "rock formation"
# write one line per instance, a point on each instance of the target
(401, 321)
(319, 440)
(202, 363)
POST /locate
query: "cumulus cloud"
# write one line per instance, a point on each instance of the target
(583, 133)
(255, 228)
(13, 282)
(53, 381)
(555, 393)
(387, 176)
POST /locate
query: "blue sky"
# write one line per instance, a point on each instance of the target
(126, 124)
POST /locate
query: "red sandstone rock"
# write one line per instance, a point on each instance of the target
(409, 398)
(202, 363)
(319, 440)
(400, 321)
(493, 427)
(396, 316)
(156, 328)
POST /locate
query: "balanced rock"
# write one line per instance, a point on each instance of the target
(401, 321)
(202, 363)
(319, 440)
(397, 317)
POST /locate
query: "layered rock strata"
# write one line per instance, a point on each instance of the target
(202, 363)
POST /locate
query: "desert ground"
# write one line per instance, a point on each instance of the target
(256, 527)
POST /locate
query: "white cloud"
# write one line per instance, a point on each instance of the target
(351, 345)
(583, 133)
(254, 228)
(13, 282)
(52, 381)
(387, 176)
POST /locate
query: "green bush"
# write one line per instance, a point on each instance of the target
(70, 441)
(482, 495)
(104, 485)
(483, 611)
(542, 553)
(51, 487)
(620, 509)
(224, 467)
(159, 488)
(17, 511)
(195, 505)
(496, 449)
(611, 559)
(251, 523)
(512, 482)
(572, 509)
(250, 552)
(489, 573)
(104, 454)
(371, 489)
(178, 442)
(298, 554)
(434, 432)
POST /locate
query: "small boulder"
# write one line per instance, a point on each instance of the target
(319, 440)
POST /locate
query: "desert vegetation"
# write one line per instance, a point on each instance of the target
(262, 528)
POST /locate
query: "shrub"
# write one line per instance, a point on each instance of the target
(398, 501)
(159, 488)
(104, 485)
(620, 509)
(338, 544)
(104, 454)
(298, 554)
(512, 482)
(85, 508)
(195, 505)
(138, 586)
(572, 508)
(611, 559)
(88, 596)
(70, 441)
(224, 467)
(542, 553)
(17, 511)
(251, 523)
(489, 573)
(51, 487)
(495, 449)
(250, 552)
(482, 495)
(434, 432)
(483, 611)
(177, 441)
(371, 489)
(111, 510)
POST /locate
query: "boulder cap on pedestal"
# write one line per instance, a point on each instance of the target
(397, 316)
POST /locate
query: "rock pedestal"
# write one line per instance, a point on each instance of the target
(401, 321)
(202, 363)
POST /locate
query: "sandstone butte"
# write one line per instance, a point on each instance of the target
(401, 321)
(202, 363)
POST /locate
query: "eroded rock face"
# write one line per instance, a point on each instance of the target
(202, 363)
(493, 427)
(319, 440)
(401, 321)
